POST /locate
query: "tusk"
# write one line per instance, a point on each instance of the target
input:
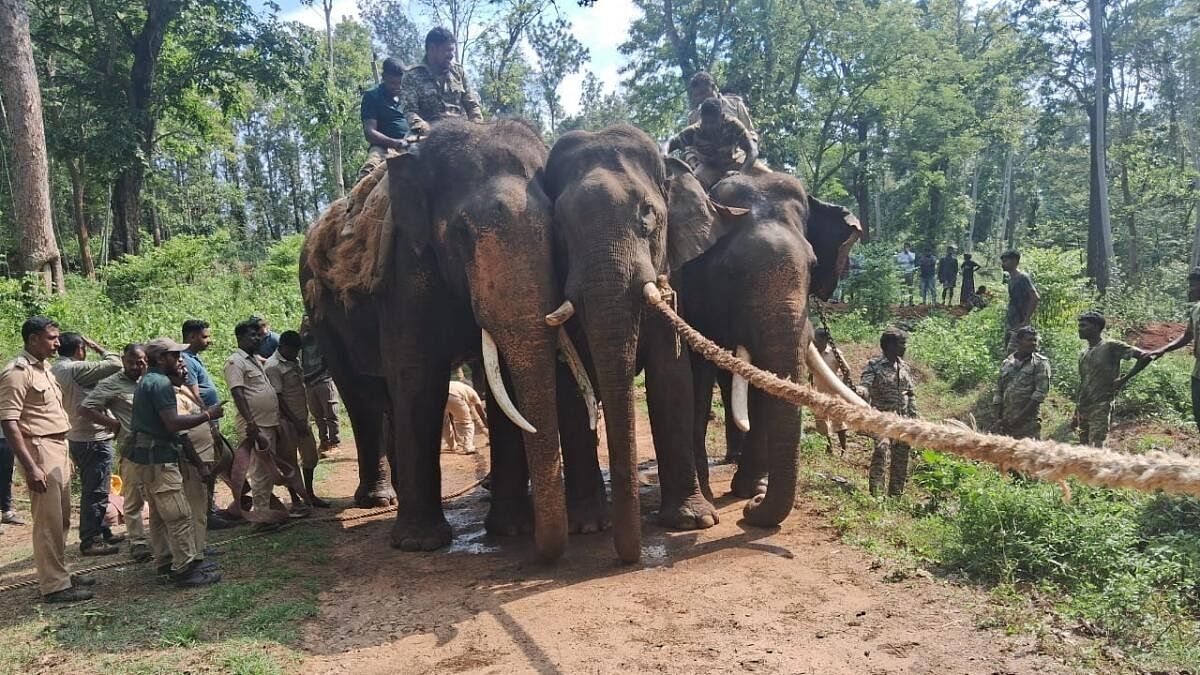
(651, 293)
(740, 394)
(576, 365)
(491, 366)
(559, 316)
(833, 383)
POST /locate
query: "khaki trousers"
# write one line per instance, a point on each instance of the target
(458, 431)
(323, 403)
(133, 493)
(195, 490)
(170, 515)
(51, 513)
(375, 155)
(259, 475)
(303, 443)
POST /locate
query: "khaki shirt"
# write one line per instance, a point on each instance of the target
(30, 395)
(428, 95)
(287, 377)
(890, 386)
(732, 106)
(1021, 381)
(76, 378)
(1099, 367)
(114, 395)
(244, 370)
(713, 145)
(201, 436)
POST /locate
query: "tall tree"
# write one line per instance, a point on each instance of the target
(393, 29)
(18, 76)
(339, 175)
(559, 54)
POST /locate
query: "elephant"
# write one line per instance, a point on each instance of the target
(749, 293)
(619, 223)
(470, 276)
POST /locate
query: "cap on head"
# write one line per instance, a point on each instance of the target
(163, 345)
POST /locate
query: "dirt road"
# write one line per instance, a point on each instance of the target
(729, 599)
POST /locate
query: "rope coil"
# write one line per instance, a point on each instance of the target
(1048, 460)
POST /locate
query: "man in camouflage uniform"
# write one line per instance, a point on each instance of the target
(437, 87)
(1100, 378)
(703, 87)
(715, 145)
(1024, 383)
(1188, 337)
(888, 384)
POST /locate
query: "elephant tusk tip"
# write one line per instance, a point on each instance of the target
(742, 424)
(651, 292)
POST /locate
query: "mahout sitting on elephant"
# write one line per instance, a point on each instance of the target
(749, 293)
(464, 271)
(619, 223)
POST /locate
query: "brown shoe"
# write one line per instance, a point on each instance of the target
(98, 546)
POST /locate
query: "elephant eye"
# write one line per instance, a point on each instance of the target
(647, 218)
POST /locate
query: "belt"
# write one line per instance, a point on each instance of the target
(62, 436)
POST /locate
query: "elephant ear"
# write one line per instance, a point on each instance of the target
(410, 209)
(694, 221)
(832, 231)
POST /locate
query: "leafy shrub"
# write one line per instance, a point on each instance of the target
(963, 352)
(877, 286)
(851, 326)
(178, 262)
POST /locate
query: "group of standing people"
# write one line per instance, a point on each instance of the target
(933, 271)
(159, 404)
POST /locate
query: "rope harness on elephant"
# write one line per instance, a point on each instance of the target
(1048, 460)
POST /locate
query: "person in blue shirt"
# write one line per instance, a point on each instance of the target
(270, 339)
(384, 124)
(197, 336)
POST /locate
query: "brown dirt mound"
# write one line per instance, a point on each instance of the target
(1156, 335)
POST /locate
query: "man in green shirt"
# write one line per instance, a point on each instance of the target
(1100, 378)
(110, 405)
(1189, 335)
(156, 454)
(1024, 383)
(384, 124)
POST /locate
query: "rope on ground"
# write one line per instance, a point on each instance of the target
(1048, 460)
(340, 517)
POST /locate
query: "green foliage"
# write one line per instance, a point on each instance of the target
(963, 352)
(877, 285)
(852, 326)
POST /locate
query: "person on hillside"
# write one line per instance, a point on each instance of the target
(384, 124)
(1023, 386)
(268, 339)
(888, 385)
(319, 389)
(437, 87)
(1188, 337)
(980, 299)
(110, 404)
(947, 274)
(927, 268)
(702, 87)
(159, 456)
(35, 425)
(90, 444)
(464, 409)
(1100, 378)
(287, 378)
(1023, 297)
(715, 146)
(906, 262)
(968, 280)
(198, 336)
(833, 357)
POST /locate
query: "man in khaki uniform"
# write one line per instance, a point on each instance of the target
(195, 487)
(703, 87)
(1024, 384)
(90, 444)
(463, 409)
(258, 415)
(1100, 378)
(110, 404)
(287, 378)
(437, 87)
(36, 425)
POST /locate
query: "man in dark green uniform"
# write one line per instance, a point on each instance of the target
(1188, 337)
(715, 145)
(1100, 378)
(384, 124)
(1024, 383)
(888, 384)
(437, 87)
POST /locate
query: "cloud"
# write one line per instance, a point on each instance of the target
(314, 17)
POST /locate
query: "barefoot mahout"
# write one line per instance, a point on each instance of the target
(450, 260)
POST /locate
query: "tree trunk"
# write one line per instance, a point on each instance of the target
(39, 249)
(1100, 247)
(969, 244)
(339, 174)
(1006, 203)
(82, 227)
(862, 178)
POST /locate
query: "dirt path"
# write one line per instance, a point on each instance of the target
(729, 599)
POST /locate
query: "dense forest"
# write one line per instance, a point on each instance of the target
(936, 121)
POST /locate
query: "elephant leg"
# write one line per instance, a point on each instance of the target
(365, 399)
(735, 438)
(668, 382)
(511, 511)
(587, 500)
(751, 476)
(703, 375)
(780, 425)
(419, 399)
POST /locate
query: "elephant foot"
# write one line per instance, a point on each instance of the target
(755, 514)
(417, 533)
(510, 517)
(373, 496)
(588, 518)
(745, 485)
(694, 513)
